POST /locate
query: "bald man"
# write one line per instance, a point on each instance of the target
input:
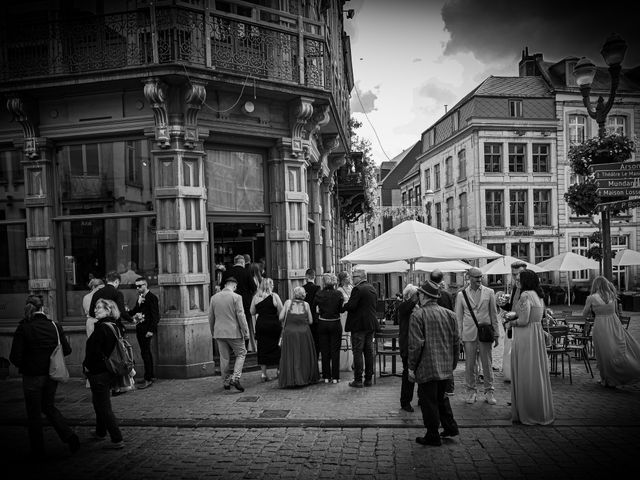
(479, 301)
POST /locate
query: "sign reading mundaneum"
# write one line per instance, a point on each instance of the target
(615, 180)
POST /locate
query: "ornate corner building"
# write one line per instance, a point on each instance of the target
(162, 138)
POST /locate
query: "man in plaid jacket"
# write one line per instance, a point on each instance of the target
(433, 355)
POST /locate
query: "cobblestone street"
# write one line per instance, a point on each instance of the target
(194, 429)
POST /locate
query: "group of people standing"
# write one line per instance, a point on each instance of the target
(292, 336)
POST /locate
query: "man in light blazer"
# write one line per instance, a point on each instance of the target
(230, 330)
(483, 302)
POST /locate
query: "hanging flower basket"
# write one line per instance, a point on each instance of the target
(582, 197)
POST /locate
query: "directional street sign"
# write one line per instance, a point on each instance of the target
(616, 166)
(620, 205)
(616, 174)
(618, 192)
(605, 183)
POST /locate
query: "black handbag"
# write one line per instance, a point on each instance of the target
(485, 331)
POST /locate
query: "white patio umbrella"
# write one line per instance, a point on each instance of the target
(626, 258)
(414, 241)
(502, 266)
(569, 262)
(402, 267)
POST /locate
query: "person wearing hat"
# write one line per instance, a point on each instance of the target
(433, 355)
(476, 304)
(230, 330)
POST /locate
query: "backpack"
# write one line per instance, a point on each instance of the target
(120, 361)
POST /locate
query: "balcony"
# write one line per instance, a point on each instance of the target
(250, 41)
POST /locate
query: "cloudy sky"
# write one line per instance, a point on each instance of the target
(413, 57)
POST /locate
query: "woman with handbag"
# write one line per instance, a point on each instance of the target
(34, 342)
(99, 346)
(298, 360)
(531, 395)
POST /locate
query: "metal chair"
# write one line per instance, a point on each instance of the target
(625, 319)
(580, 343)
(558, 349)
(386, 345)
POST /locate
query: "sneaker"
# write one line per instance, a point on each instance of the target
(226, 386)
(471, 398)
(114, 445)
(407, 408)
(145, 384)
(435, 441)
(356, 384)
(74, 443)
(335, 380)
(326, 380)
(490, 398)
(449, 394)
(236, 385)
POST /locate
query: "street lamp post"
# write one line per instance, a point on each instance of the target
(613, 52)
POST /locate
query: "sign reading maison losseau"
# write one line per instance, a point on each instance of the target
(615, 180)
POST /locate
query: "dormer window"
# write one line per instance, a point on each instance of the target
(515, 108)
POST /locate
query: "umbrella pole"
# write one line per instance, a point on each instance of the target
(568, 289)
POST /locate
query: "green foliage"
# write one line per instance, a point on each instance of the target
(582, 197)
(368, 170)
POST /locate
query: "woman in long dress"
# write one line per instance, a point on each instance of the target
(345, 287)
(617, 352)
(265, 310)
(531, 395)
(298, 359)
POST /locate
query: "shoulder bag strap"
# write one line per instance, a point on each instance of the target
(115, 331)
(57, 332)
(473, 315)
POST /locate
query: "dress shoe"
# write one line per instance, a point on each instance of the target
(449, 433)
(367, 383)
(98, 438)
(490, 398)
(355, 384)
(226, 386)
(471, 398)
(115, 393)
(114, 445)
(435, 441)
(407, 408)
(145, 384)
(237, 386)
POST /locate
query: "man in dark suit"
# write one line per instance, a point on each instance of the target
(311, 288)
(110, 292)
(146, 315)
(246, 288)
(362, 323)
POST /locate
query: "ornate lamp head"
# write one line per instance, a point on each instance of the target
(614, 49)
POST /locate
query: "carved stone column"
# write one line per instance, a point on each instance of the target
(184, 337)
(39, 201)
(329, 205)
(289, 204)
(315, 214)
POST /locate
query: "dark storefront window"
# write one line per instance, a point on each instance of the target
(106, 177)
(94, 246)
(14, 269)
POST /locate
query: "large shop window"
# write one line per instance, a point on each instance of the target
(94, 246)
(106, 177)
(235, 181)
(14, 270)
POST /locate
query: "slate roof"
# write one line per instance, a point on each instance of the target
(513, 87)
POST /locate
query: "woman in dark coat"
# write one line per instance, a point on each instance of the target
(34, 341)
(99, 346)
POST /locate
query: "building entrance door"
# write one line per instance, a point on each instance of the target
(228, 239)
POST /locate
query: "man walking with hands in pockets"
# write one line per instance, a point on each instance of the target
(230, 330)
(475, 307)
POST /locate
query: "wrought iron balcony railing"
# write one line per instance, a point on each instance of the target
(271, 45)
